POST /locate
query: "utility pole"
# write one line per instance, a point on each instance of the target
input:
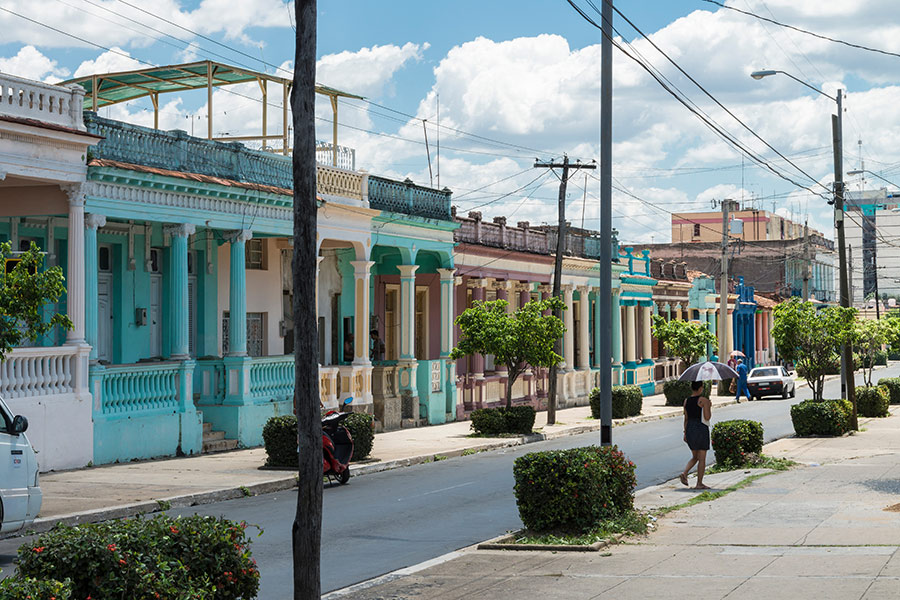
(806, 261)
(557, 268)
(847, 379)
(723, 286)
(605, 300)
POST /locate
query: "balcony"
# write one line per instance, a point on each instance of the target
(409, 198)
(523, 238)
(26, 99)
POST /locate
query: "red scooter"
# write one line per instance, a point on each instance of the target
(337, 447)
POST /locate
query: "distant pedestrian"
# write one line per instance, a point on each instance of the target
(742, 388)
(377, 349)
(697, 412)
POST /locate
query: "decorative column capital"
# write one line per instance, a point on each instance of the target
(447, 274)
(407, 271)
(361, 267)
(544, 288)
(75, 192)
(477, 282)
(583, 289)
(180, 230)
(94, 221)
(239, 235)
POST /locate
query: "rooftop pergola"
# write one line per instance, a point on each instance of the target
(112, 88)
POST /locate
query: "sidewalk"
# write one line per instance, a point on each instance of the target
(828, 529)
(99, 493)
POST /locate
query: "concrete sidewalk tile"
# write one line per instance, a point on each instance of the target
(892, 568)
(625, 561)
(686, 586)
(528, 586)
(711, 562)
(852, 535)
(827, 562)
(766, 536)
(883, 588)
(820, 588)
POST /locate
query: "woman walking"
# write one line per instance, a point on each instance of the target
(697, 412)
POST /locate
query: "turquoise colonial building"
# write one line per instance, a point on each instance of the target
(635, 297)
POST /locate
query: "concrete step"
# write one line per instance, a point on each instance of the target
(213, 436)
(219, 446)
(207, 427)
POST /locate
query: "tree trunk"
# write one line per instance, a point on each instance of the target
(307, 529)
(510, 380)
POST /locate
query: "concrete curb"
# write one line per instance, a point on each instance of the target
(507, 542)
(286, 483)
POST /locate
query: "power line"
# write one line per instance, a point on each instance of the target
(804, 31)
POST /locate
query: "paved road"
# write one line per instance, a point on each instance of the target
(386, 521)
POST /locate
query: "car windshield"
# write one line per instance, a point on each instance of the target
(764, 373)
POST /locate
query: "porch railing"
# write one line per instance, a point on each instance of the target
(272, 377)
(339, 182)
(139, 388)
(38, 372)
(409, 198)
(209, 381)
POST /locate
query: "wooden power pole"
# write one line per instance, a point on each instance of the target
(557, 267)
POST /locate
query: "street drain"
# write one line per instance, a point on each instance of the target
(893, 508)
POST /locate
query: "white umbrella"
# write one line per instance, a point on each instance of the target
(708, 371)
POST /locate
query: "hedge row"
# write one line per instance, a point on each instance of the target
(169, 558)
(494, 421)
(280, 438)
(821, 417)
(676, 392)
(572, 490)
(733, 440)
(873, 401)
(893, 386)
(627, 401)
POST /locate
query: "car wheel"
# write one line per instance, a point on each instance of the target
(784, 394)
(793, 391)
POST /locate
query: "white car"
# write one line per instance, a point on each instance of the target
(771, 381)
(20, 493)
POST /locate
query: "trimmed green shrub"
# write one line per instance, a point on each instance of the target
(733, 440)
(143, 559)
(572, 490)
(494, 421)
(280, 440)
(362, 430)
(873, 401)
(519, 419)
(676, 392)
(627, 401)
(16, 588)
(821, 417)
(893, 387)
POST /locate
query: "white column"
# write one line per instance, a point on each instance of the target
(92, 222)
(729, 334)
(568, 319)
(647, 340)
(770, 324)
(178, 292)
(678, 312)
(237, 292)
(630, 334)
(584, 306)
(447, 283)
(616, 330)
(361, 274)
(75, 284)
(407, 311)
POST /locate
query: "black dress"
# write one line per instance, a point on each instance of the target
(696, 432)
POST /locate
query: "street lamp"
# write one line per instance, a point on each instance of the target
(862, 171)
(837, 145)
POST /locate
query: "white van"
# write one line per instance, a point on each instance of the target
(20, 494)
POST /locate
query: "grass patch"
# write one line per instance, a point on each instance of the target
(633, 522)
(754, 461)
(495, 435)
(711, 495)
(471, 451)
(439, 457)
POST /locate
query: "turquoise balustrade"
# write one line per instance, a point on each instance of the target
(134, 389)
(272, 377)
(409, 198)
(209, 381)
(178, 151)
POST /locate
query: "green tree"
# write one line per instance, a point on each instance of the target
(811, 339)
(686, 340)
(518, 340)
(25, 290)
(870, 336)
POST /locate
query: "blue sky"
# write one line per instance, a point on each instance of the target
(522, 75)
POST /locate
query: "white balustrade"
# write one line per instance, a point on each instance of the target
(29, 99)
(339, 182)
(38, 372)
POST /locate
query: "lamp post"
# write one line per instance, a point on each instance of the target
(847, 378)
